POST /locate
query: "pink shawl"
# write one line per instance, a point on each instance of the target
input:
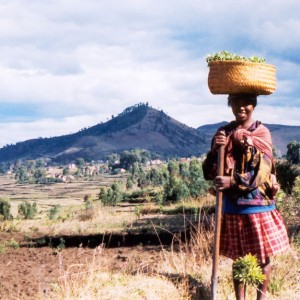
(260, 138)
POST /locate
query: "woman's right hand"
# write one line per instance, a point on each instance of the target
(219, 140)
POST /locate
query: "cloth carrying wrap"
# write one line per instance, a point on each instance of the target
(260, 139)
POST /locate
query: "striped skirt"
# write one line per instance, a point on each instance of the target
(261, 234)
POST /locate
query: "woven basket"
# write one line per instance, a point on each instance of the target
(241, 77)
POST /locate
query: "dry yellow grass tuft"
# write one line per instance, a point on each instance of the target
(96, 280)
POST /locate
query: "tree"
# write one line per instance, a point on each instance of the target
(173, 168)
(135, 170)
(293, 152)
(79, 162)
(145, 156)
(102, 196)
(286, 175)
(155, 177)
(3, 168)
(176, 189)
(128, 158)
(21, 174)
(113, 159)
(66, 171)
(129, 183)
(39, 163)
(197, 184)
(143, 179)
(39, 173)
(184, 169)
(113, 195)
(117, 194)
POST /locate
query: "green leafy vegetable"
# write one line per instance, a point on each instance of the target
(247, 270)
(225, 55)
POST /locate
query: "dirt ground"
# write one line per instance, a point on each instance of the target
(31, 273)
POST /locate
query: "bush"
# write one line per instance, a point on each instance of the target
(5, 210)
(296, 189)
(247, 271)
(185, 180)
(27, 210)
(53, 212)
(129, 183)
(286, 175)
(176, 189)
(289, 205)
(293, 152)
(113, 195)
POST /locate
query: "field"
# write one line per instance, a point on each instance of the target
(112, 252)
(65, 193)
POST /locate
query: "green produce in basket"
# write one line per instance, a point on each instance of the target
(225, 55)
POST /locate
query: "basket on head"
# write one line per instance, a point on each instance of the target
(241, 77)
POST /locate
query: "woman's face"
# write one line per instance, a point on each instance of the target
(242, 109)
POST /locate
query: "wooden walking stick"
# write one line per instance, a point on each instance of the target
(218, 217)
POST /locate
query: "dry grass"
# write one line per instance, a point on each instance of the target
(178, 273)
(285, 276)
(182, 272)
(74, 220)
(104, 285)
(96, 280)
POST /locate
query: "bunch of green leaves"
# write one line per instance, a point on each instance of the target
(247, 271)
(225, 55)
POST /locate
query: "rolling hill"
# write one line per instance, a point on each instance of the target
(138, 126)
(281, 134)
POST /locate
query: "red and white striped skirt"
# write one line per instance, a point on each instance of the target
(261, 234)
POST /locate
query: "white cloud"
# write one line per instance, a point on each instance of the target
(46, 128)
(80, 60)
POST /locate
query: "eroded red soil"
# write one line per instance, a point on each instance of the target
(31, 273)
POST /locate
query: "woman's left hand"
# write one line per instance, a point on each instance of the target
(222, 182)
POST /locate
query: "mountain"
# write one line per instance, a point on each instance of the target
(139, 126)
(281, 134)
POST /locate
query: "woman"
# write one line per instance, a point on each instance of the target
(250, 222)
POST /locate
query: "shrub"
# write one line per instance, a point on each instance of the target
(129, 183)
(113, 195)
(53, 212)
(27, 210)
(247, 270)
(293, 152)
(296, 188)
(286, 175)
(5, 209)
(176, 189)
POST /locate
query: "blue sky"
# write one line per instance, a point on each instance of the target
(65, 65)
